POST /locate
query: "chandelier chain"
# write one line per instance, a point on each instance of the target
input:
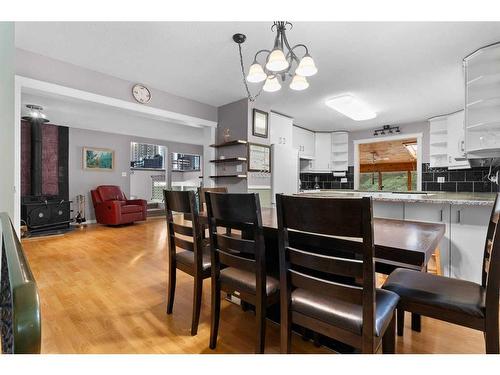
(250, 97)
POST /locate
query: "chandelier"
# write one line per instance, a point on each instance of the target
(279, 64)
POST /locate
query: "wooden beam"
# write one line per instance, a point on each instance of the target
(387, 167)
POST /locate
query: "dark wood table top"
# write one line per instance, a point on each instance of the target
(398, 243)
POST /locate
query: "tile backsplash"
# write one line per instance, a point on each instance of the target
(463, 180)
(460, 180)
(327, 180)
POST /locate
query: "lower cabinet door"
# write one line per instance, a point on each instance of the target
(468, 228)
(388, 210)
(436, 213)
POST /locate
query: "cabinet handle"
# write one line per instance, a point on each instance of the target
(459, 216)
(441, 215)
(462, 146)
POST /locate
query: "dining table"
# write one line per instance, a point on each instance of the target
(398, 243)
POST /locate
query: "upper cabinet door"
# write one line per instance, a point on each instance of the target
(482, 102)
(280, 129)
(456, 141)
(322, 160)
(303, 140)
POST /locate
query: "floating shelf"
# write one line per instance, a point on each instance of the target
(230, 175)
(230, 143)
(485, 126)
(229, 160)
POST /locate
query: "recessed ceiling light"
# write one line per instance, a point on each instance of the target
(351, 107)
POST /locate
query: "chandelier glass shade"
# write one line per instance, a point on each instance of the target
(281, 63)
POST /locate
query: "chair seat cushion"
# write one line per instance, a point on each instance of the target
(245, 281)
(187, 257)
(131, 208)
(438, 291)
(342, 314)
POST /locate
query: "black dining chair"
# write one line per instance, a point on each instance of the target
(194, 259)
(203, 191)
(327, 273)
(456, 301)
(239, 263)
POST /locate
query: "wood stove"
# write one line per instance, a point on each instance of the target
(45, 205)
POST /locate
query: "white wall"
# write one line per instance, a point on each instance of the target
(7, 121)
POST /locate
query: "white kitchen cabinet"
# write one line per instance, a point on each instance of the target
(340, 151)
(323, 154)
(456, 141)
(280, 129)
(482, 102)
(303, 140)
(468, 227)
(437, 213)
(388, 210)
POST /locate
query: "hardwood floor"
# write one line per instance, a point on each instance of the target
(103, 290)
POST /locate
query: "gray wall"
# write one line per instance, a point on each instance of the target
(81, 181)
(414, 127)
(7, 138)
(32, 65)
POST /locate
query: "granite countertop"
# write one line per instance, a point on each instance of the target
(439, 197)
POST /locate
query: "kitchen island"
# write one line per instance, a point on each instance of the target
(465, 215)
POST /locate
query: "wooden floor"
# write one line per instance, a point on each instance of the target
(103, 290)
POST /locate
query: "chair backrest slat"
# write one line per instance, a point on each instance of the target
(229, 242)
(183, 244)
(182, 229)
(333, 217)
(236, 261)
(327, 264)
(348, 293)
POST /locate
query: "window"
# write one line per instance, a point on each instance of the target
(147, 156)
(185, 162)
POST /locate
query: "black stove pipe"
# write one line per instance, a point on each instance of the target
(36, 157)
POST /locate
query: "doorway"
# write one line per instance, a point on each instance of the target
(389, 164)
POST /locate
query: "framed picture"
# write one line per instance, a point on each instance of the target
(260, 123)
(98, 159)
(259, 158)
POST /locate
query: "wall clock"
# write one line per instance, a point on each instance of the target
(141, 93)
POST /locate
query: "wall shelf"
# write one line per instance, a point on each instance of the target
(230, 176)
(230, 143)
(229, 160)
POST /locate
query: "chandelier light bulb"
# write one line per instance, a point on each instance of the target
(306, 67)
(272, 84)
(276, 61)
(299, 83)
(256, 73)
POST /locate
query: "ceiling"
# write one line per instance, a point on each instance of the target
(404, 71)
(386, 152)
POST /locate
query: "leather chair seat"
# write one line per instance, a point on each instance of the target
(131, 208)
(246, 281)
(187, 257)
(342, 314)
(438, 291)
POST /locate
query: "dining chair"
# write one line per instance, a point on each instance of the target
(327, 276)
(194, 259)
(201, 195)
(456, 301)
(239, 263)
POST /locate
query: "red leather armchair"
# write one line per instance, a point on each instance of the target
(113, 208)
